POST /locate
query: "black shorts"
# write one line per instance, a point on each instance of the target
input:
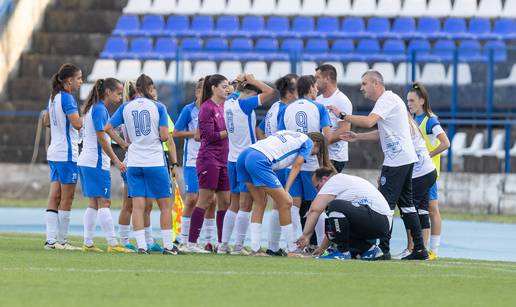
(420, 191)
(339, 165)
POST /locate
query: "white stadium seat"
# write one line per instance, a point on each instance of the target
(363, 8)
(137, 7)
(496, 145)
(501, 153)
(263, 7)
(339, 68)
(156, 69)
(464, 8)
(433, 74)
(404, 73)
(413, 8)
(308, 68)
(278, 70)
(85, 90)
(438, 8)
(388, 8)
(203, 68)
(476, 145)
(212, 7)
(129, 70)
(458, 143)
(387, 71)
(354, 72)
(287, 8)
(163, 7)
(313, 7)
(338, 8)
(489, 8)
(230, 69)
(185, 72)
(238, 7)
(188, 7)
(171, 72)
(102, 69)
(257, 68)
(509, 9)
(510, 80)
(464, 74)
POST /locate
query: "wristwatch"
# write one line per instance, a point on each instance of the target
(342, 115)
(172, 165)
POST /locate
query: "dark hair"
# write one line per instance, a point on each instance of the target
(324, 172)
(285, 85)
(251, 88)
(209, 81)
(65, 71)
(304, 84)
(324, 155)
(422, 93)
(292, 76)
(142, 85)
(98, 91)
(328, 71)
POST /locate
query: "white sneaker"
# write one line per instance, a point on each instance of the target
(67, 246)
(195, 249)
(223, 249)
(403, 254)
(239, 250)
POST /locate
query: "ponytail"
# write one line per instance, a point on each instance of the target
(129, 90)
(323, 156)
(98, 91)
(65, 71)
(209, 81)
(142, 86)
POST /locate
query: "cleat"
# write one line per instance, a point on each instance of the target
(432, 256)
(131, 247)
(183, 248)
(417, 255)
(155, 248)
(278, 253)
(403, 254)
(385, 256)
(209, 247)
(337, 256)
(298, 253)
(372, 254)
(223, 249)
(240, 250)
(258, 253)
(92, 248)
(173, 251)
(119, 249)
(50, 246)
(143, 251)
(67, 246)
(195, 249)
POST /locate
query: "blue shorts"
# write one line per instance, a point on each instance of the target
(124, 177)
(254, 167)
(302, 186)
(433, 194)
(235, 186)
(149, 182)
(95, 182)
(64, 172)
(191, 179)
(282, 176)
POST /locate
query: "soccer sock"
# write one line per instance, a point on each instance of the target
(288, 230)
(64, 222)
(274, 230)
(51, 221)
(209, 230)
(89, 219)
(196, 222)
(256, 231)
(106, 223)
(241, 225)
(123, 233)
(166, 234)
(148, 236)
(296, 220)
(319, 228)
(185, 229)
(435, 242)
(229, 224)
(220, 224)
(140, 238)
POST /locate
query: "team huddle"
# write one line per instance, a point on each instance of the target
(232, 167)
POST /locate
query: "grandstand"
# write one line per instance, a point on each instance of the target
(177, 41)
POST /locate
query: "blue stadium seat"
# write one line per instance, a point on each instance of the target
(480, 28)
(429, 27)
(178, 26)
(165, 48)
(404, 27)
(141, 48)
(242, 49)
(192, 48)
(202, 25)
(303, 26)
(328, 26)
(394, 50)
(127, 25)
(443, 50)
(422, 50)
(499, 48)
(115, 48)
(277, 26)
(369, 50)
(267, 50)
(153, 25)
(252, 26)
(505, 28)
(469, 51)
(379, 27)
(294, 45)
(316, 50)
(354, 27)
(228, 26)
(455, 28)
(216, 49)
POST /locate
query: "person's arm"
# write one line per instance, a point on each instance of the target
(207, 127)
(351, 136)
(181, 128)
(358, 120)
(46, 119)
(106, 147)
(260, 134)
(296, 168)
(316, 209)
(172, 156)
(163, 122)
(72, 112)
(445, 144)
(342, 128)
(99, 114)
(183, 134)
(326, 131)
(324, 246)
(267, 91)
(115, 137)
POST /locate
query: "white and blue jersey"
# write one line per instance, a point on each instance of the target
(92, 154)
(270, 124)
(189, 121)
(64, 138)
(304, 115)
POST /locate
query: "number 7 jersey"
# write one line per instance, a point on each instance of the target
(142, 118)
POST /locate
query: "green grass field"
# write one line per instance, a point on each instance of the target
(31, 276)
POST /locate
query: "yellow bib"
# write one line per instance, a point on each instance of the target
(429, 146)
(170, 130)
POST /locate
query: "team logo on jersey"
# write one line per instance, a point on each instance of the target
(392, 146)
(361, 201)
(383, 180)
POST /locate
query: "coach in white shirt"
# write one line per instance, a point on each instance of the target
(390, 113)
(330, 95)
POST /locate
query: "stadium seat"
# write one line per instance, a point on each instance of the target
(458, 143)
(429, 27)
(258, 68)
(505, 28)
(156, 69)
(394, 50)
(192, 48)
(228, 26)
(231, 69)
(162, 7)
(252, 25)
(263, 7)
(404, 27)
(137, 7)
(496, 146)
(212, 7)
(153, 25)
(127, 25)
(328, 26)
(339, 67)
(129, 70)
(443, 50)
(238, 7)
(316, 49)
(463, 74)
(379, 27)
(313, 8)
(421, 47)
(278, 26)
(433, 74)
(499, 50)
(354, 27)
(388, 8)
(202, 25)
(438, 8)
(455, 28)
(178, 26)
(469, 51)
(509, 9)
(476, 145)
(354, 72)
(489, 8)
(368, 49)
(501, 153)
(387, 71)
(165, 48)
(510, 80)
(292, 45)
(115, 48)
(338, 8)
(241, 49)
(141, 48)
(404, 73)
(413, 8)
(102, 68)
(464, 8)
(308, 68)
(363, 8)
(185, 71)
(303, 26)
(216, 49)
(287, 8)
(278, 70)
(203, 68)
(187, 7)
(267, 49)
(480, 28)
(343, 49)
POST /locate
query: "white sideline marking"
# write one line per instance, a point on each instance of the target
(463, 265)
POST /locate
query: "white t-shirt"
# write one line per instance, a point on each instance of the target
(270, 123)
(358, 191)
(189, 121)
(338, 150)
(64, 138)
(394, 130)
(92, 154)
(424, 165)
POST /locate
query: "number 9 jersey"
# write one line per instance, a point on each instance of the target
(142, 118)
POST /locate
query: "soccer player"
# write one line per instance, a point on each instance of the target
(305, 115)
(94, 164)
(147, 175)
(436, 142)
(357, 213)
(63, 118)
(390, 114)
(256, 166)
(240, 121)
(211, 164)
(326, 78)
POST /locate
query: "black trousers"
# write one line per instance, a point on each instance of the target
(339, 165)
(363, 225)
(420, 188)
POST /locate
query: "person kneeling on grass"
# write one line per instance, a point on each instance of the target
(357, 214)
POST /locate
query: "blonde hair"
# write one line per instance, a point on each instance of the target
(129, 90)
(324, 155)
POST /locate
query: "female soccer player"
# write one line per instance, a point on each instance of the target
(94, 164)
(436, 142)
(240, 121)
(256, 165)
(63, 119)
(147, 175)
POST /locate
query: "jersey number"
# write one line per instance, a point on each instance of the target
(142, 122)
(231, 125)
(302, 121)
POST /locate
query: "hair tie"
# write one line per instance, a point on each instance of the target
(59, 79)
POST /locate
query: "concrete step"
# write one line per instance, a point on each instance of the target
(22, 106)
(114, 5)
(53, 43)
(27, 88)
(43, 66)
(83, 21)
(18, 131)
